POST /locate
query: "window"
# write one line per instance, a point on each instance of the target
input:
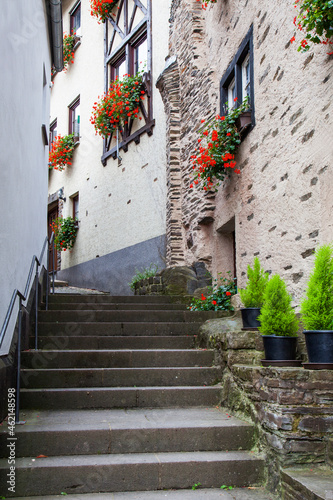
(237, 82)
(75, 19)
(75, 200)
(128, 43)
(53, 133)
(74, 119)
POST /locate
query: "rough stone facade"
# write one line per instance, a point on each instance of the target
(291, 407)
(281, 206)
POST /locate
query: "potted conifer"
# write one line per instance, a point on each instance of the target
(278, 325)
(252, 296)
(317, 311)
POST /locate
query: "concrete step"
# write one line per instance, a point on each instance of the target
(307, 484)
(245, 493)
(133, 472)
(124, 328)
(119, 377)
(123, 299)
(128, 316)
(85, 342)
(111, 306)
(124, 397)
(86, 432)
(120, 358)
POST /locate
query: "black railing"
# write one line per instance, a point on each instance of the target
(23, 297)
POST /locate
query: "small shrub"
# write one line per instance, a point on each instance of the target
(218, 298)
(253, 294)
(277, 316)
(146, 272)
(317, 306)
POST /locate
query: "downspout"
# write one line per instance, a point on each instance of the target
(55, 19)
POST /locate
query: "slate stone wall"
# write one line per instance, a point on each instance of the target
(282, 203)
(291, 407)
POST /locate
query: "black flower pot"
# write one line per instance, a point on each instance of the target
(319, 345)
(279, 348)
(249, 317)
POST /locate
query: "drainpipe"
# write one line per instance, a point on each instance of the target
(55, 20)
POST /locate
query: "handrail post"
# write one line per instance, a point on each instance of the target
(53, 252)
(36, 307)
(18, 375)
(47, 276)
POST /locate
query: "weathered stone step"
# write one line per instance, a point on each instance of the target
(113, 342)
(133, 472)
(119, 377)
(125, 397)
(129, 299)
(121, 358)
(128, 316)
(128, 431)
(76, 328)
(245, 493)
(112, 306)
(307, 484)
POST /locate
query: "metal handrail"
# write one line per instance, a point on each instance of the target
(23, 297)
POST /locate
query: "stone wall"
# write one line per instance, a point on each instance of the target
(180, 280)
(281, 206)
(291, 407)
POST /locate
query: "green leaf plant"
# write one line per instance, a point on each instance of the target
(315, 21)
(317, 305)
(277, 315)
(218, 297)
(253, 294)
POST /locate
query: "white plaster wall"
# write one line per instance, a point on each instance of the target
(119, 205)
(24, 107)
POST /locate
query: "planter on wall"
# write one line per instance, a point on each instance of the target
(249, 318)
(319, 345)
(280, 351)
(244, 121)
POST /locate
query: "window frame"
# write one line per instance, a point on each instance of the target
(52, 136)
(73, 11)
(235, 71)
(131, 35)
(76, 210)
(71, 119)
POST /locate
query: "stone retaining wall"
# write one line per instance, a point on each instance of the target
(291, 407)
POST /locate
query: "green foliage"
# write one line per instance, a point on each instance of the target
(277, 316)
(218, 298)
(196, 486)
(253, 294)
(225, 487)
(68, 49)
(145, 273)
(218, 144)
(65, 231)
(315, 21)
(317, 306)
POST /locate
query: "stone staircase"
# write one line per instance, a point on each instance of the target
(117, 399)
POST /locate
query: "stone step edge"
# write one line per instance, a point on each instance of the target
(315, 483)
(135, 458)
(114, 389)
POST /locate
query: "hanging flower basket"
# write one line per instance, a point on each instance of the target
(69, 42)
(65, 231)
(119, 105)
(102, 9)
(315, 21)
(62, 152)
(206, 2)
(218, 144)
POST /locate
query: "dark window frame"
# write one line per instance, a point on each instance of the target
(53, 127)
(71, 118)
(234, 70)
(72, 14)
(131, 35)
